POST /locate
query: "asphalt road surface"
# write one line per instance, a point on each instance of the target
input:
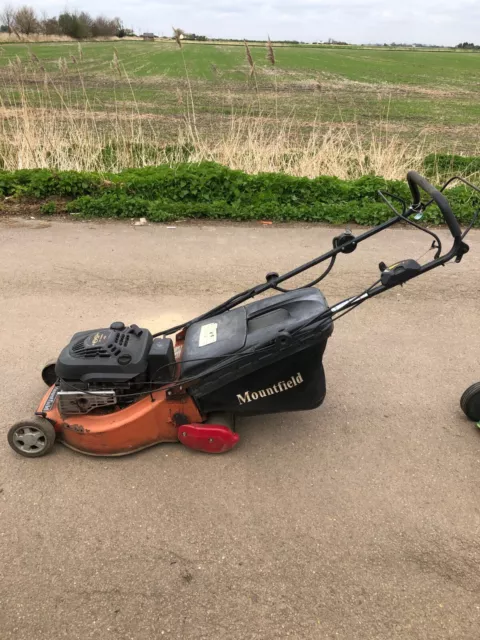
(359, 520)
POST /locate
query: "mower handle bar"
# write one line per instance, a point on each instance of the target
(415, 180)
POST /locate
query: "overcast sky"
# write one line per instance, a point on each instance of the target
(445, 22)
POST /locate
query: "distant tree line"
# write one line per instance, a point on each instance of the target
(194, 36)
(415, 45)
(467, 45)
(26, 21)
(253, 41)
(180, 34)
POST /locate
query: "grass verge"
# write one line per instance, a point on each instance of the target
(212, 191)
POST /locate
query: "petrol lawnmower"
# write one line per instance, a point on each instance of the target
(117, 390)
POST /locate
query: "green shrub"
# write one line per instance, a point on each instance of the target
(162, 210)
(43, 183)
(110, 205)
(209, 190)
(48, 208)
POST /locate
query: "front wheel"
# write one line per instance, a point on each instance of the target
(470, 402)
(32, 438)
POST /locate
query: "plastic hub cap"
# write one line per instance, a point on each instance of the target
(29, 439)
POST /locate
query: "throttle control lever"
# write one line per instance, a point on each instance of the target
(399, 273)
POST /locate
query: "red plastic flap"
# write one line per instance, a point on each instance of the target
(209, 438)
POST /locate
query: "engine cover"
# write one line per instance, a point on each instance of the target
(114, 355)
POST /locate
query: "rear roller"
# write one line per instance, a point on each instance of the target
(32, 438)
(470, 402)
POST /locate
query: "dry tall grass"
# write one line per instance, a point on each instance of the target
(48, 120)
(343, 151)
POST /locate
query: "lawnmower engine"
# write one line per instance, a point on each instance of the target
(105, 368)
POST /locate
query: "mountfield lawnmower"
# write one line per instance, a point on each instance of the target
(118, 390)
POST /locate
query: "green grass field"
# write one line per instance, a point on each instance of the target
(435, 69)
(432, 96)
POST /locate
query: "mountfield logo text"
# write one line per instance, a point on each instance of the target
(278, 387)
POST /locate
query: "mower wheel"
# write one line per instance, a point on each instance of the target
(470, 402)
(48, 373)
(32, 438)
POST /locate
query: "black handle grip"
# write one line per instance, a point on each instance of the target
(415, 180)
